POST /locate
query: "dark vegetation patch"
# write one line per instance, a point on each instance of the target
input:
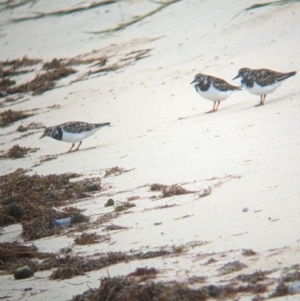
(121, 206)
(31, 126)
(254, 277)
(129, 289)
(248, 252)
(34, 196)
(113, 227)
(74, 266)
(231, 267)
(168, 191)
(17, 152)
(290, 277)
(13, 255)
(143, 274)
(51, 72)
(90, 238)
(115, 171)
(9, 116)
(42, 82)
(280, 290)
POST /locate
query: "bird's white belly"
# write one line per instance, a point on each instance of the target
(259, 90)
(214, 94)
(76, 137)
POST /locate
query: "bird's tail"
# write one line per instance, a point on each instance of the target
(98, 125)
(284, 76)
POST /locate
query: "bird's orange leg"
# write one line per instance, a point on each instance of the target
(261, 101)
(71, 148)
(219, 101)
(213, 110)
(78, 146)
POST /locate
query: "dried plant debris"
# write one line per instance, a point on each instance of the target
(115, 171)
(91, 238)
(121, 206)
(168, 191)
(14, 254)
(143, 274)
(18, 63)
(254, 277)
(9, 116)
(75, 266)
(35, 196)
(31, 126)
(42, 82)
(113, 227)
(17, 152)
(125, 289)
(248, 252)
(49, 73)
(290, 277)
(231, 267)
(280, 290)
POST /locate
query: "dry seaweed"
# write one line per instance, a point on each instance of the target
(281, 290)
(90, 238)
(13, 254)
(125, 289)
(254, 277)
(18, 63)
(231, 267)
(9, 116)
(113, 227)
(36, 195)
(168, 191)
(248, 252)
(31, 126)
(121, 206)
(5, 83)
(42, 82)
(17, 152)
(143, 274)
(69, 266)
(115, 171)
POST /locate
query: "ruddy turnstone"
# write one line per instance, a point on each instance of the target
(213, 88)
(74, 131)
(262, 81)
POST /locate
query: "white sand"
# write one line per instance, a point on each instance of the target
(159, 130)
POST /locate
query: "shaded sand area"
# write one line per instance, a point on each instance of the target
(205, 206)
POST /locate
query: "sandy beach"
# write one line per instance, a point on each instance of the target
(238, 165)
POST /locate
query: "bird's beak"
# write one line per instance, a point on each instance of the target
(236, 77)
(42, 136)
(193, 81)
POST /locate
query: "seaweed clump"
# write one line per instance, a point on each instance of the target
(168, 191)
(124, 289)
(9, 116)
(17, 151)
(42, 82)
(13, 254)
(35, 196)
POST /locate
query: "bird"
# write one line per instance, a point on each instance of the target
(213, 88)
(262, 81)
(73, 131)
